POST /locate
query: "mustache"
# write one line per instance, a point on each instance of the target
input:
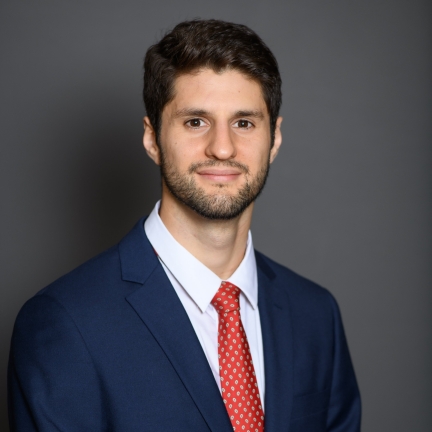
(212, 163)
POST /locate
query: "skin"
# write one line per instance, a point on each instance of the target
(220, 117)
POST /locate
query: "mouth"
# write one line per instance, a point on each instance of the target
(219, 175)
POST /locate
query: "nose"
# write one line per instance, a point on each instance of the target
(221, 145)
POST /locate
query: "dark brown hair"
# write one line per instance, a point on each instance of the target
(214, 44)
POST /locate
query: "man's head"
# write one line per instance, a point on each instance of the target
(213, 44)
(212, 93)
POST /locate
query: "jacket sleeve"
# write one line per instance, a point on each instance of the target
(52, 382)
(344, 412)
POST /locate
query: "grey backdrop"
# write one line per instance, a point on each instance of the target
(348, 203)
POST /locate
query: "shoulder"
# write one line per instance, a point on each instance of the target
(303, 294)
(92, 279)
(107, 277)
(97, 287)
(89, 301)
(313, 312)
(85, 288)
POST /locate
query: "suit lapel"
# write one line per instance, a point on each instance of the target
(278, 349)
(158, 306)
(161, 311)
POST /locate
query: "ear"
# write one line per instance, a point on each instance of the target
(149, 141)
(277, 140)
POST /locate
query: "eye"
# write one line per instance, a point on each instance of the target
(243, 124)
(195, 123)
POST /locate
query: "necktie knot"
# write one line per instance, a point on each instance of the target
(227, 298)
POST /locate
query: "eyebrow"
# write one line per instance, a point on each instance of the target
(256, 114)
(186, 112)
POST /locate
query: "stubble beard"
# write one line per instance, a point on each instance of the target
(215, 206)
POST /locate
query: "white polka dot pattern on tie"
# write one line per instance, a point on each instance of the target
(239, 386)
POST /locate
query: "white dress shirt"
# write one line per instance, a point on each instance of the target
(196, 285)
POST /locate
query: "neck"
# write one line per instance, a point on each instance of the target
(219, 244)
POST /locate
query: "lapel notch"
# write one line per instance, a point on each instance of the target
(137, 258)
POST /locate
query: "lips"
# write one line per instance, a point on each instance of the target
(219, 175)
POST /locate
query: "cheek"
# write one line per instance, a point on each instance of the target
(180, 156)
(255, 155)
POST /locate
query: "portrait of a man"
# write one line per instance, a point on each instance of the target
(183, 325)
(215, 216)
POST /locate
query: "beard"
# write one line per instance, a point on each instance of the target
(218, 205)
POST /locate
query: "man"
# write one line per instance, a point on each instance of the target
(182, 326)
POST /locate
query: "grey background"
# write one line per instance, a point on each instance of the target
(348, 202)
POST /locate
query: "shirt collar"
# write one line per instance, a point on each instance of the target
(198, 280)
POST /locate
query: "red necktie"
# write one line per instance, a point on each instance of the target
(240, 391)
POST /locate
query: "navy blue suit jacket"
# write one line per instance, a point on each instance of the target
(109, 347)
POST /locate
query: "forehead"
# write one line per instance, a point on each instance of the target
(212, 91)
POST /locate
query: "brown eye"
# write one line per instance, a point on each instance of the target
(195, 123)
(244, 124)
